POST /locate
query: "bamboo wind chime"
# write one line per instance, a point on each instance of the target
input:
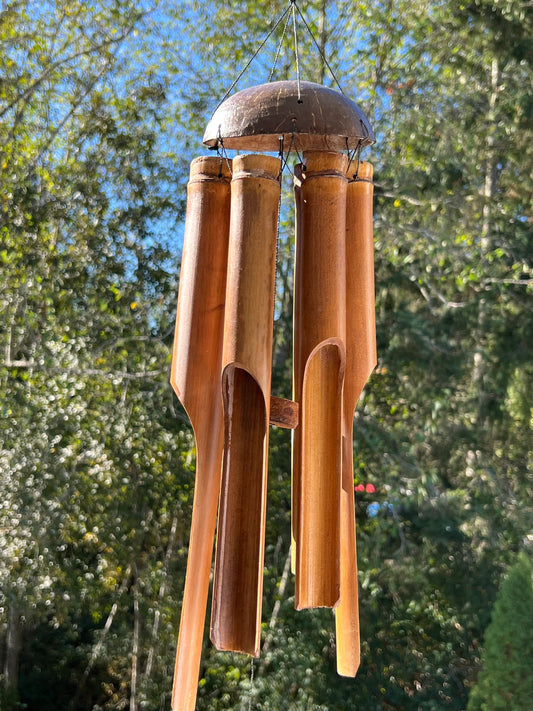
(221, 368)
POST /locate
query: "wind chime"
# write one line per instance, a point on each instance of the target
(221, 368)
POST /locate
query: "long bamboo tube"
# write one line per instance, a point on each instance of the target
(298, 366)
(360, 361)
(320, 324)
(195, 377)
(247, 362)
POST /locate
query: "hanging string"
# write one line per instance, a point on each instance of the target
(278, 225)
(358, 149)
(292, 9)
(270, 76)
(351, 156)
(239, 77)
(296, 52)
(222, 154)
(321, 53)
(283, 163)
(355, 177)
(293, 145)
(284, 157)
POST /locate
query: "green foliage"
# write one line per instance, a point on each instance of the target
(102, 107)
(505, 681)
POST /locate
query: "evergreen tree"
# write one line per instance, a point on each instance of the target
(506, 681)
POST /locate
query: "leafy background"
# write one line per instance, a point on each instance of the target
(102, 107)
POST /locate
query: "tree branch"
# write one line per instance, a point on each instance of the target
(277, 605)
(58, 63)
(111, 375)
(162, 591)
(98, 647)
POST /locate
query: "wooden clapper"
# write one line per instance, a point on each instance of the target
(221, 368)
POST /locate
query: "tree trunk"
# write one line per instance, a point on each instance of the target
(98, 647)
(275, 611)
(489, 190)
(322, 37)
(479, 366)
(162, 592)
(135, 647)
(13, 647)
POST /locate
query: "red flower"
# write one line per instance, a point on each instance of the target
(370, 488)
(359, 487)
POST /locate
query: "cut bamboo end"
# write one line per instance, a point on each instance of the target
(255, 193)
(189, 650)
(236, 620)
(209, 168)
(318, 557)
(324, 163)
(360, 170)
(195, 376)
(348, 650)
(202, 291)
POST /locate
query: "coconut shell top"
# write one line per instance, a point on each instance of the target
(312, 118)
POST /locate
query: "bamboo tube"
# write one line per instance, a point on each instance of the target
(320, 322)
(247, 361)
(297, 365)
(195, 377)
(360, 361)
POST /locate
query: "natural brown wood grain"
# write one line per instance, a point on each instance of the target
(360, 361)
(284, 413)
(297, 365)
(319, 533)
(195, 377)
(319, 334)
(247, 361)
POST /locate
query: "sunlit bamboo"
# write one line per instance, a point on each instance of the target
(195, 377)
(319, 332)
(247, 363)
(360, 361)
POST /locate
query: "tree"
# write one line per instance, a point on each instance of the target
(103, 105)
(505, 680)
(89, 487)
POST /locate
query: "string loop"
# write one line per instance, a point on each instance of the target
(222, 153)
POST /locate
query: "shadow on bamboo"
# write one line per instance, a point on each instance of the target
(247, 363)
(360, 361)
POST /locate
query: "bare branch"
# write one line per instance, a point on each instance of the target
(98, 647)
(162, 592)
(32, 88)
(518, 282)
(277, 605)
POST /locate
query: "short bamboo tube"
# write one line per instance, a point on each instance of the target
(195, 377)
(360, 361)
(247, 362)
(319, 332)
